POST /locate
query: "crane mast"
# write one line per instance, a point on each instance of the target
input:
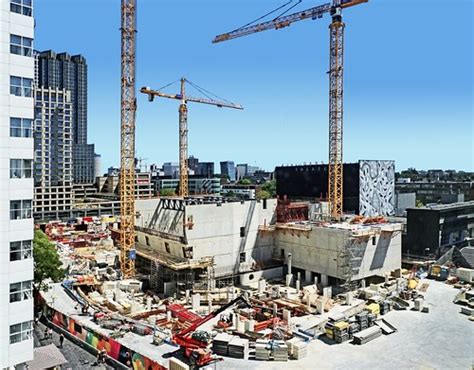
(183, 144)
(183, 125)
(127, 138)
(336, 68)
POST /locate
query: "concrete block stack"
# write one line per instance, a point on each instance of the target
(220, 344)
(176, 364)
(300, 350)
(280, 351)
(238, 348)
(262, 350)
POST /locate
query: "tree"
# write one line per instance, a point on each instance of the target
(230, 194)
(263, 194)
(167, 192)
(46, 260)
(270, 187)
(245, 182)
(419, 204)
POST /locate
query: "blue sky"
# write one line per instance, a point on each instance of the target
(408, 80)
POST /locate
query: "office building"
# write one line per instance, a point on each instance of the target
(171, 169)
(205, 169)
(228, 169)
(16, 183)
(68, 72)
(431, 231)
(196, 185)
(53, 152)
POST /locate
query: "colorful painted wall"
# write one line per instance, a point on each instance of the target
(114, 349)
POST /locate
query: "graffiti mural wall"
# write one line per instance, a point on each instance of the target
(377, 188)
(114, 349)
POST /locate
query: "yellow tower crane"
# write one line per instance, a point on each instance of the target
(128, 108)
(183, 123)
(336, 65)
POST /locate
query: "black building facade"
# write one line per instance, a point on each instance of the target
(432, 231)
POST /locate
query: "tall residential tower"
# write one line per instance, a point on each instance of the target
(67, 72)
(16, 182)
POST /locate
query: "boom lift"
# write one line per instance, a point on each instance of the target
(183, 124)
(195, 343)
(336, 28)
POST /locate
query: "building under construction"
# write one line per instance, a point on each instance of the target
(206, 243)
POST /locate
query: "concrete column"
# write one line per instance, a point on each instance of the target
(324, 280)
(362, 283)
(315, 281)
(275, 310)
(297, 286)
(187, 296)
(262, 284)
(298, 276)
(209, 303)
(196, 301)
(307, 276)
(289, 276)
(286, 315)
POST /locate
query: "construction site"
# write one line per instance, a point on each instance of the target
(188, 282)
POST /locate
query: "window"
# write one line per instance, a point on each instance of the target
(20, 209)
(21, 86)
(242, 257)
(373, 240)
(22, 7)
(21, 45)
(20, 332)
(147, 240)
(167, 247)
(21, 127)
(242, 231)
(21, 168)
(21, 291)
(21, 250)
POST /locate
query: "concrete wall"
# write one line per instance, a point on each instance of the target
(319, 250)
(212, 230)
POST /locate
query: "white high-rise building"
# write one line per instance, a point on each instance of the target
(16, 182)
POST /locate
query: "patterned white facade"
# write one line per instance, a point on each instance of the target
(376, 188)
(16, 182)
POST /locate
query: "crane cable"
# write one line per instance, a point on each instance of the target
(207, 93)
(266, 15)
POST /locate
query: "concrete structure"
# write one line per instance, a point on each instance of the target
(431, 231)
(369, 185)
(240, 191)
(228, 169)
(437, 191)
(68, 72)
(196, 185)
(53, 152)
(220, 241)
(109, 186)
(16, 184)
(326, 250)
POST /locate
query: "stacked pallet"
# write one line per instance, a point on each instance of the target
(220, 343)
(176, 364)
(262, 350)
(280, 351)
(367, 335)
(384, 307)
(362, 320)
(371, 319)
(238, 348)
(341, 331)
(299, 350)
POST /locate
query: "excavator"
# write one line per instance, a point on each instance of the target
(194, 343)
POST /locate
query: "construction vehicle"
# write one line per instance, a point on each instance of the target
(336, 62)
(183, 123)
(195, 343)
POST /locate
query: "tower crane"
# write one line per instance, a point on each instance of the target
(128, 108)
(183, 123)
(336, 65)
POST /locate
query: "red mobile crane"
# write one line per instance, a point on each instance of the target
(195, 343)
